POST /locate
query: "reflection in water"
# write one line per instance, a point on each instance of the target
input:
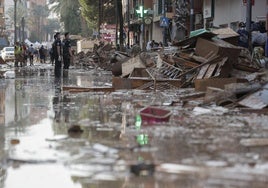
(57, 100)
(2, 104)
(99, 157)
(44, 176)
(142, 139)
(60, 102)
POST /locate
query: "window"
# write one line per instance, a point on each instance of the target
(168, 6)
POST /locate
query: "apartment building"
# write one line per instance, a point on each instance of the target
(2, 16)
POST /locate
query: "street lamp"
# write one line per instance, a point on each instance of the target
(15, 21)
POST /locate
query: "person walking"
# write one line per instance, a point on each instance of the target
(57, 54)
(67, 51)
(31, 54)
(24, 54)
(17, 53)
(42, 54)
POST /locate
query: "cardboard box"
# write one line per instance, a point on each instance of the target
(221, 48)
(217, 46)
(228, 35)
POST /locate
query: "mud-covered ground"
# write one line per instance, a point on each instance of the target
(55, 138)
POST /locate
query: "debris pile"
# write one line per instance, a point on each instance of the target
(210, 62)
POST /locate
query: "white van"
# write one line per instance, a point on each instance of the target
(8, 54)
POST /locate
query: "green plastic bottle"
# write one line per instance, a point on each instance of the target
(138, 122)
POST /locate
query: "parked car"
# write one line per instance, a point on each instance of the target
(3, 42)
(8, 54)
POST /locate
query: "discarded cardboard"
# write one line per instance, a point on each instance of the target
(228, 35)
(256, 100)
(129, 65)
(218, 47)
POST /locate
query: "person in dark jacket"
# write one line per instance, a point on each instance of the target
(57, 54)
(67, 51)
(243, 35)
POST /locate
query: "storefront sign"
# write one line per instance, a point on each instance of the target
(252, 2)
(164, 22)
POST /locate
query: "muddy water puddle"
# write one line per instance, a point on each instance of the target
(53, 138)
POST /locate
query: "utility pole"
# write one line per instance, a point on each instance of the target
(116, 23)
(143, 26)
(266, 45)
(164, 17)
(15, 21)
(100, 15)
(192, 16)
(128, 22)
(248, 23)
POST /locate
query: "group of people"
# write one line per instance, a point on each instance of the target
(23, 52)
(61, 53)
(258, 35)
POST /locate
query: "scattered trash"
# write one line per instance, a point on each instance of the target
(177, 168)
(14, 141)
(152, 115)
(142, 139)
(142, 169)
(75, 129)
(138, 122)
(57, 138)
(216, 110)
(254, 142)
(9, 74)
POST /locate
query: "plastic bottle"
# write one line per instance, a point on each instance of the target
(138, 122)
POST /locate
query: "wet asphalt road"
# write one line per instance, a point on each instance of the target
(39, 148)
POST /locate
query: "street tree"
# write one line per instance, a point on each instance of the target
(39, 14)
(21, 12)
(69, 14)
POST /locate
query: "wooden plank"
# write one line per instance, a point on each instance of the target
(210, 70)
(254, 142)
(209, 61)
(133, 83)
(201, 85)
(202, 71)
(220, 64)
(184, 62)
(74, 89)
(257, 111)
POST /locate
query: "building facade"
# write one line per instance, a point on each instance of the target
(206, 14)
(229, 13)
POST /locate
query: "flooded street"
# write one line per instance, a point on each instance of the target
(56, 138)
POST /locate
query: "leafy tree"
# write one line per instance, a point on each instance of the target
(21, 12)
(89, 11)
(98, 12)
(38, 15)
(68, 11)
(52, 26)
